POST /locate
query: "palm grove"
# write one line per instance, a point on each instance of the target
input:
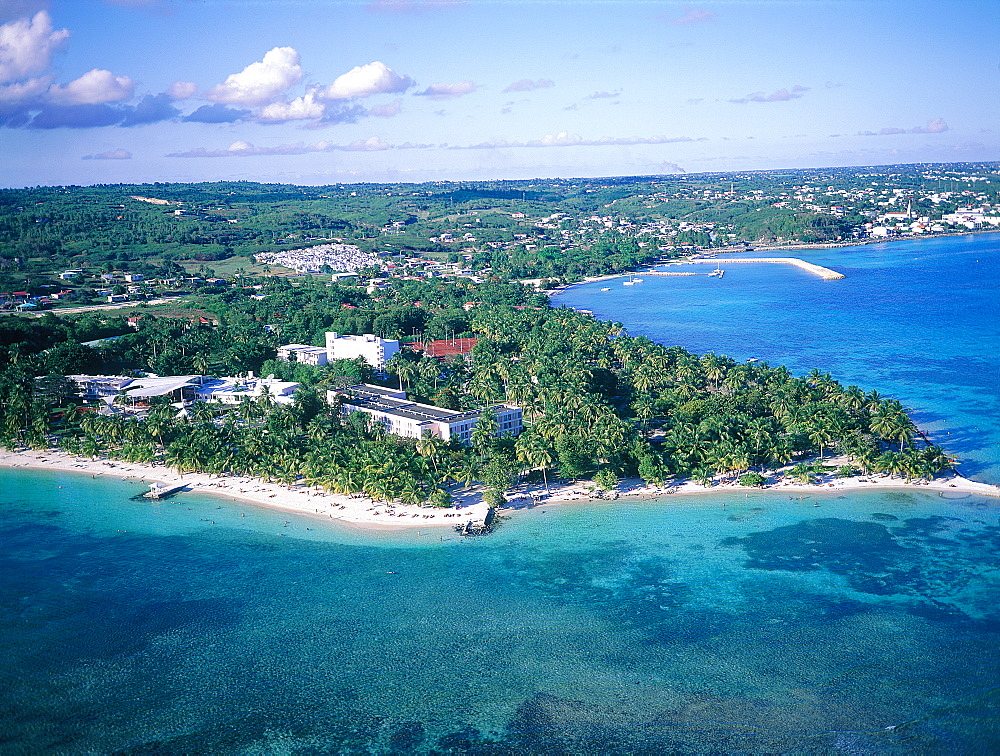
(599, 404)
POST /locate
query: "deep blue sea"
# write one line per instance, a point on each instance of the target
(866, 623)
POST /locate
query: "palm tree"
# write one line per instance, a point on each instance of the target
(532, 451)
(819, 434)
(428, 447)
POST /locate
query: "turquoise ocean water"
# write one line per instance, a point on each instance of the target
(861, 623)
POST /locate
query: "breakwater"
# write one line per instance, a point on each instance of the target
(819, 270)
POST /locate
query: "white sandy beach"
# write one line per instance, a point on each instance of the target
(468, 506)
(635, 488)
(360, 511)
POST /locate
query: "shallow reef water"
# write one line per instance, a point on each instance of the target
(862, 623)
(857, 623)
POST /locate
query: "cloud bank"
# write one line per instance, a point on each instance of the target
(934, 126)
(245, 149)
(118, 154)
(565, 139)
(780, 95)
(527, 85)
(448, 91)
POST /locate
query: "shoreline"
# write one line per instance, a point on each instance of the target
(299, 498)
(635, 489)
(469, 507)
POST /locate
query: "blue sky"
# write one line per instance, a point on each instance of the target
(321, 91)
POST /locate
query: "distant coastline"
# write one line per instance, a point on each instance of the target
(711, 253)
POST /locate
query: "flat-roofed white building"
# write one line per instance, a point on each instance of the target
(183, 389)
(410, 419)
(374, 350)
(236, 390)
(307, 355)
(98, 386)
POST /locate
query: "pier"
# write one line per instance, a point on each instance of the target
(158, 491)
(819, 270)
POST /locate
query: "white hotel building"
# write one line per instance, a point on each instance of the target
(374, 350)
(403, 417)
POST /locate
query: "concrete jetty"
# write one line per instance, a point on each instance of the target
(819, 270)
(162, 490)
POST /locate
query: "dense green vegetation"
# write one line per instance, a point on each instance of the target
(598, 404)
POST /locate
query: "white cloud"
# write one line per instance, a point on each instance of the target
(371, 144)
(300, 109)
(118, 154)
(448, 91)
(364, 81)
(93, 88)
(388, 110)
(934, 126)
(26, 47)
(780, 95)
(182, 90)
(245, 149)
(693, 16)
(565, 139)
(261, 82)
(25, 90)
(527, 85)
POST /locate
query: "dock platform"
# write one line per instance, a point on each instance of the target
(157, 491)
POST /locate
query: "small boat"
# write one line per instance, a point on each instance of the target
(606, 288)
(718, 273)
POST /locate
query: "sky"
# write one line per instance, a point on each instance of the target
(335, 91)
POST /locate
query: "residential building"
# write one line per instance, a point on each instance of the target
(374, 350)
(410, 419)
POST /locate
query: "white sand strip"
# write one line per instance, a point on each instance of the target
(365, 512)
